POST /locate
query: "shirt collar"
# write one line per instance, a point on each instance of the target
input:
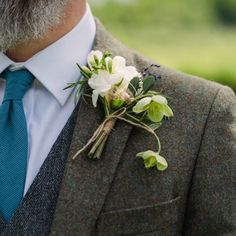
(55, 66)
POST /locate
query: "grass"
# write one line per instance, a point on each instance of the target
(173, 34)
(209, 52)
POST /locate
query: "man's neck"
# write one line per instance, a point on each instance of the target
(73, 14)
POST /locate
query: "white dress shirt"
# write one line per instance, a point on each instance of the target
(47, 106)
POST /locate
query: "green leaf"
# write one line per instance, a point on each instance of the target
(134, 85)
(155, 113)
(70, 85)
(152, 93)
(78, 94)
(142, 105)
(148, 83)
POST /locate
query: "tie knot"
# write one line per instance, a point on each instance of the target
(17, 83)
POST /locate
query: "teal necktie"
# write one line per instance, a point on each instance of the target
(13, 141)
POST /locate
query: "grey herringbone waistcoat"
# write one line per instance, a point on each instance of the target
(35, 214)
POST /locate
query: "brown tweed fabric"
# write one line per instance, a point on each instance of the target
(196, 195)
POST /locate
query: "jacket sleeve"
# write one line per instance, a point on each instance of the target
(211, 206)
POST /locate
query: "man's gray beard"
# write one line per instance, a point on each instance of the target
(23, 20)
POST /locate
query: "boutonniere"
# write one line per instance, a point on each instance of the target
(126, 95)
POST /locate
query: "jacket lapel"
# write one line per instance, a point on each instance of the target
(86, 182)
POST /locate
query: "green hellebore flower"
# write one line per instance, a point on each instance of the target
(152, 159)
(156, 106)
(142, 105)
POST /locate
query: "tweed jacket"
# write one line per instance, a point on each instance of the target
(116, 195)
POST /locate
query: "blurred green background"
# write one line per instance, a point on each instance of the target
(194, 36)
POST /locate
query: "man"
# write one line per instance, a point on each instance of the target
(42, 191)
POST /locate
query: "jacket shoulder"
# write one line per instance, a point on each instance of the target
(188, 93)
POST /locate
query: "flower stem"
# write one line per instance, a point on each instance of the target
(100, 142)
(145, 127)
(97, 145)
(99, 150)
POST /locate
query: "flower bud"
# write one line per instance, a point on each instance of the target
(117, 103)
(108, 62)
(86, 70)
(94, 59)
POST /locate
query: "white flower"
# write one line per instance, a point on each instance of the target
(93, 55)
(126, 72)
(102, 83)
(112, 72)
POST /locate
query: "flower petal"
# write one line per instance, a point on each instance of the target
(131, 72)
(95, 99)
(119, 64)
(142, 105)
(98, 80)
(167, 111)
(159, 99)
(149, 158)
(161, 163)
(155, 113)
(114, 79)
(147, 154)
